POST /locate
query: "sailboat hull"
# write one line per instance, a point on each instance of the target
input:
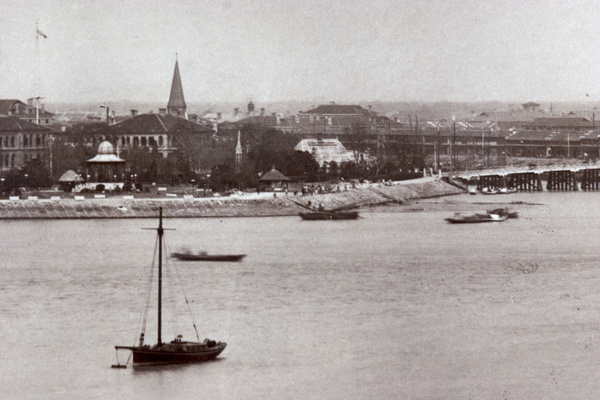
(175, 353)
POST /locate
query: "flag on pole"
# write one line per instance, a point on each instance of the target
(40, 33)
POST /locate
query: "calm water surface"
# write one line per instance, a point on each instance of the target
(395, 305)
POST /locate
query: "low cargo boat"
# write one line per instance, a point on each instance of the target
(208, 257)
(475, 218)
(325, 215)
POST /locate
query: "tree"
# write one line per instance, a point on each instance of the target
(223, 177)
(356, 138)
(268, 147)
(301, 163)
(349, 170)
(35, 174)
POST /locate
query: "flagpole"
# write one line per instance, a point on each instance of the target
(37, 97)
(37, 72)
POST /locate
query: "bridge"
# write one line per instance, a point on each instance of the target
(559, 177)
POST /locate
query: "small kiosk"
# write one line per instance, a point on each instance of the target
(275, 180)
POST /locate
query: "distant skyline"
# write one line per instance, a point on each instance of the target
(307, 51)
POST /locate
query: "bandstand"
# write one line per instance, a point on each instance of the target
(105, 169)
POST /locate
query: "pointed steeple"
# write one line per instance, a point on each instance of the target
(238, 152)
(176, 105)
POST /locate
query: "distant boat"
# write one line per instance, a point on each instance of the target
(507, 190)
(186, 256)
(320, 214)
(489, 190)
(475, 218)
(504, 212)
(177, 351)
(325, 215)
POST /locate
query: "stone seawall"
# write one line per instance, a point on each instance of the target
(248, 205)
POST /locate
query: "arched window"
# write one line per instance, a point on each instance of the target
(12, 144)
(38, 141)
(136, 141)
(25, 141)
(12, 160)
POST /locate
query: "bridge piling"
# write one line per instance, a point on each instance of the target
(590, 179)
(564, 180)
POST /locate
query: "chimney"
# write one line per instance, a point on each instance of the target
(162, 111)
(278, 119)
(219, 116)
(236, 111)
(262, 111)
(134, 113)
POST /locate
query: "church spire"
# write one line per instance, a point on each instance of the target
(238, 152)
(176, 105)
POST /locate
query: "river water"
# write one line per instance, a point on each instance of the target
(397, 305)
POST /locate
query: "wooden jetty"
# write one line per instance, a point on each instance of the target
(558, 177)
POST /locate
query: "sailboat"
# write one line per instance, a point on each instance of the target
(177, 351)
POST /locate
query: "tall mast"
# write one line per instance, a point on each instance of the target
(36, 89)
(160, 231)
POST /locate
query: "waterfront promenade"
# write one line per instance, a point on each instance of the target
(245, 204)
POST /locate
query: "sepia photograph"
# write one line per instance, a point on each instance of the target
(314, 199)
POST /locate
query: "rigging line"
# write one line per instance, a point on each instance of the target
(144, 320)
(128, 358)
(171, 297)
(187, 303)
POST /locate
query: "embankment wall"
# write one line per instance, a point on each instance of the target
(234, 206)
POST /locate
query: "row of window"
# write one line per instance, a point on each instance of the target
(9, 160)
(142, 141)
(28, 141)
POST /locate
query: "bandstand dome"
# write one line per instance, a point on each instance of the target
(106, 148)
(106, 154)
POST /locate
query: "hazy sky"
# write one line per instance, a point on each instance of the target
(344, 51)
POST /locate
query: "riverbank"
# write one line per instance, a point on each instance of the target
(241, 205)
